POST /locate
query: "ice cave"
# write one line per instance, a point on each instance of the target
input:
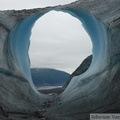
(95, 91)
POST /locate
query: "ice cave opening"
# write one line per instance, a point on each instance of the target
(58, 41)
(20, 38)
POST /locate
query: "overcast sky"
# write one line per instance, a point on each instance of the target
(26, 4)
(58, 40)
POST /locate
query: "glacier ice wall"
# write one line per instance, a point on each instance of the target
(19, 40)
(96, 90)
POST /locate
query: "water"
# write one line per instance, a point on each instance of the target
(48, 87)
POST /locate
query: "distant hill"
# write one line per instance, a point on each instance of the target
(80, 70)
(48, 77)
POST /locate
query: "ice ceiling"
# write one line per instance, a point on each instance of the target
(96, 90)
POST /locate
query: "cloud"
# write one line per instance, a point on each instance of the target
(61, 41)
(27, 4)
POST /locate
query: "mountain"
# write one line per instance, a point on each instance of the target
(81, 69)
(48, 77)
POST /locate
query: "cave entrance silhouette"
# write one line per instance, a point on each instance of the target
(19, 58)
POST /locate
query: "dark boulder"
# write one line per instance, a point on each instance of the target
(2, 112)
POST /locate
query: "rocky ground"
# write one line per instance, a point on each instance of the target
(37, 115)
(51, 90)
